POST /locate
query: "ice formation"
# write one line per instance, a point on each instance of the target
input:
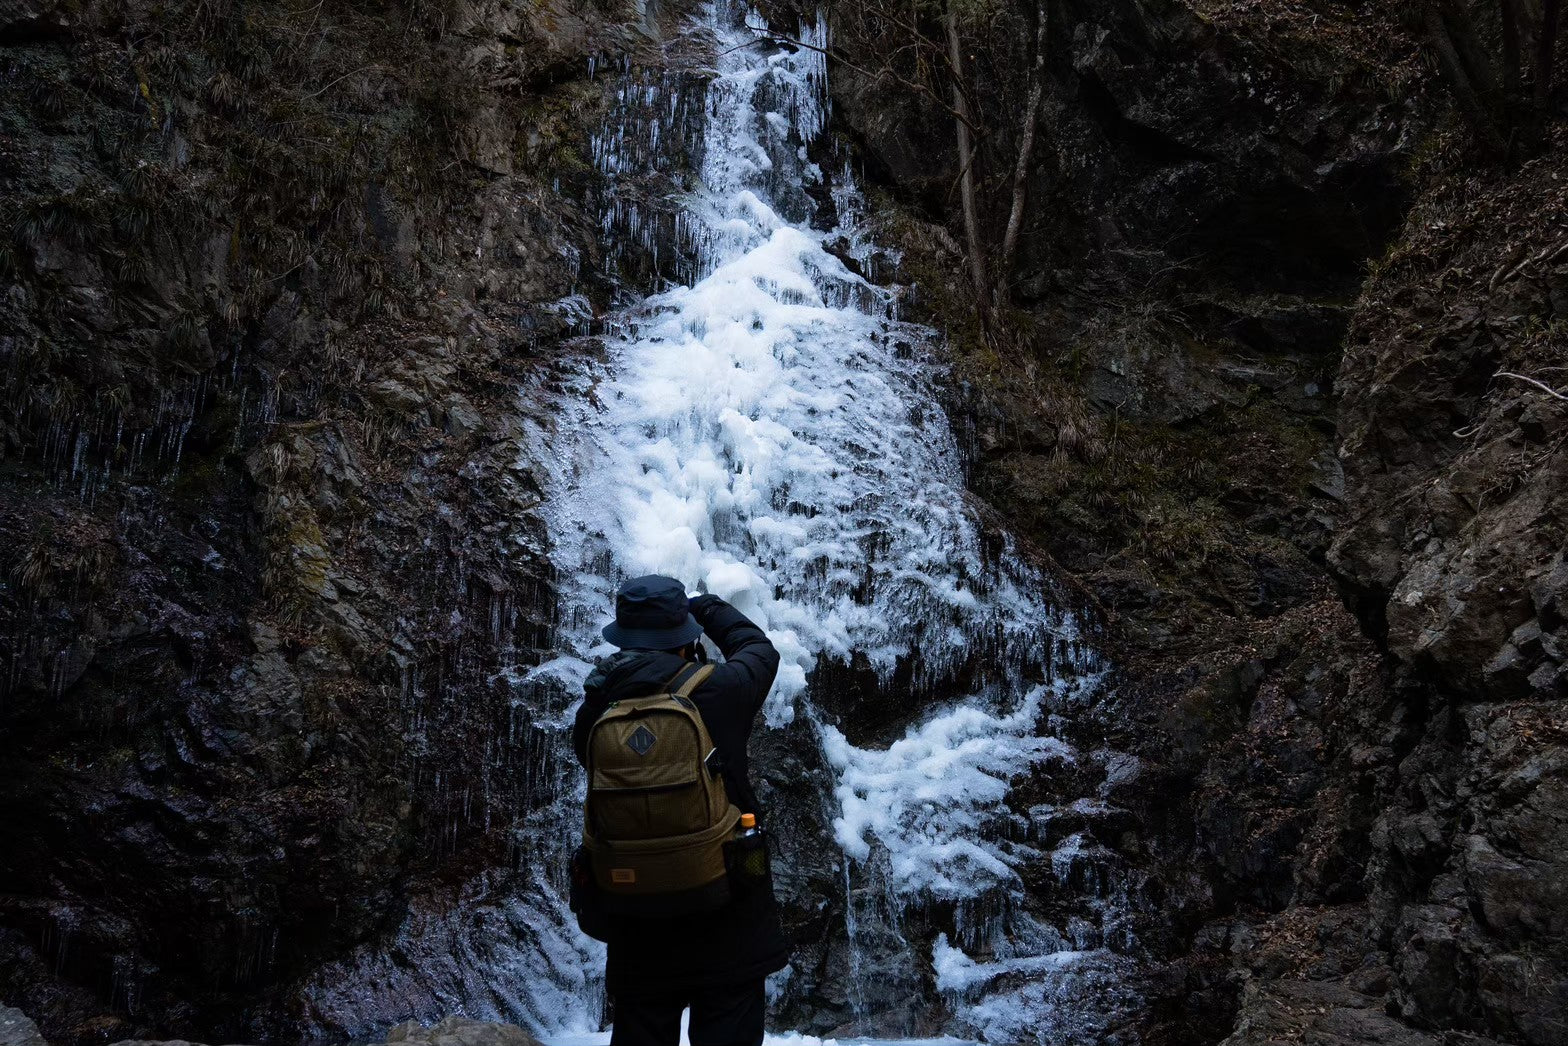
(771, 432)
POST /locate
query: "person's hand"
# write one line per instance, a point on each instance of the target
(695, 604)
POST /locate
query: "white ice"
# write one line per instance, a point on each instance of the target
(928, 796)
(771, 433)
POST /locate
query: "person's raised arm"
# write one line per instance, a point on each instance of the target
(743, 644)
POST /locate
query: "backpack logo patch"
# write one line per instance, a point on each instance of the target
(641, 741)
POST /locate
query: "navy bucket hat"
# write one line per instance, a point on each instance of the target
(651, 614)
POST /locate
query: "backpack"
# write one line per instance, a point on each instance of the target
(657, 818)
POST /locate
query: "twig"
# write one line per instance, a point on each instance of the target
(1563, 395)
(1547, 254)
(1497, 277)
(345, 76)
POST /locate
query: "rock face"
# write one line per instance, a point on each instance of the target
(1318, 1013)
(1272, 400)
(1453, 453)
(1455, 468)
(1266, 400)
(265, 554)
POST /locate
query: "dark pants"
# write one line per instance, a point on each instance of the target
(731, 1015)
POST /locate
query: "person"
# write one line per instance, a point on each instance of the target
(714, 963)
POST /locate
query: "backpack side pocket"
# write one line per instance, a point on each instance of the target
(584, 899)
(750, 863)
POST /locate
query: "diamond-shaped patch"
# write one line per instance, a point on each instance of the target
(641, 740)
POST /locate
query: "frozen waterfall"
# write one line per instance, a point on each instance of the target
(770, 431)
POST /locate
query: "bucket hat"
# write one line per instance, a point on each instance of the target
(651, 614)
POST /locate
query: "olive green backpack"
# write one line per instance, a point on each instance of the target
(657, 816)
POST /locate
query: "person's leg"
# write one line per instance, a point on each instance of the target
(647, 1021)
(729, 1016)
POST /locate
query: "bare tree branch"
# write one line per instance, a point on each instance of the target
(1459, 78)
(1030, 121)
(1511, 18)
(1546, 49)
(966, 185)
(1560, 394)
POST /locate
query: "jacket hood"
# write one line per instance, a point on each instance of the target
(631, 673)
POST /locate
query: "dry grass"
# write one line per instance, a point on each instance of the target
(1369, 38)
(1480, 254)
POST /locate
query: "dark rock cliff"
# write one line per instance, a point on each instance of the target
(273, 276)
(1259, 404)
(1452, 555)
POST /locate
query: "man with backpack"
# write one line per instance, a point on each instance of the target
(673, 874)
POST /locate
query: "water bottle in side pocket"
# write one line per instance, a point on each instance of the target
(750, 863)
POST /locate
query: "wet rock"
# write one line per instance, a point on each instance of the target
(460, 417)
(1321, 1013)
(911, 142)
(21, 17)
(459, 1031)
(395, 396)
(487, 141)
(17, 1030)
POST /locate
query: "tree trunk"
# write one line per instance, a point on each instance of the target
(1466, 39)
(966, 177)
(1511, 18)
(1545, 50)
(1031, 120)
(1470, 101)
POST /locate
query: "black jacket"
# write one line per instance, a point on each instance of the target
(742, 941)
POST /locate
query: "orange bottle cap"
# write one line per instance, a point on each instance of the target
(748, 820)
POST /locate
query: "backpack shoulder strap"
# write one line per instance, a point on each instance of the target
(692, 675)
(688, 679)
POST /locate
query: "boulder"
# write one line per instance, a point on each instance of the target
(1322, 1013)
(451, 1031)
(16, 1029)
(461, 1031)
